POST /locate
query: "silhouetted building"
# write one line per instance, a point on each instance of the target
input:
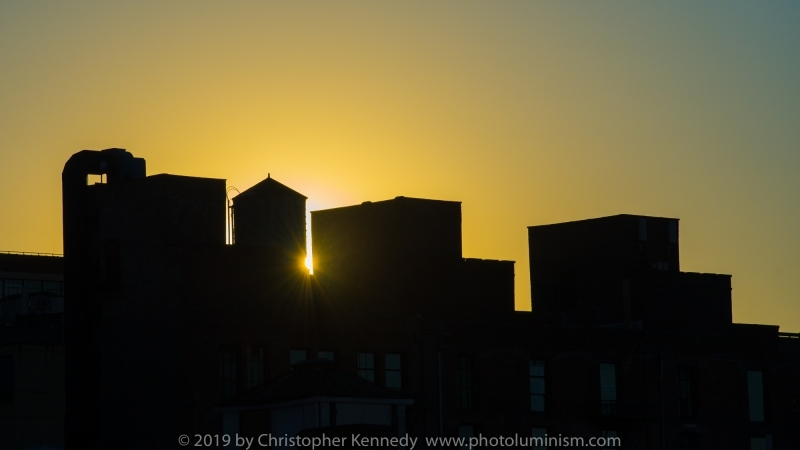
(31, 288)
(148, 280)
(170, 331)
(31, 351)
(123, 244)
(623, 269)
(404, 255)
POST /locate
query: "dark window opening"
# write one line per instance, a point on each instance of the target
(53, 287)
(759, 443)
(394, 372)
(673, 232)
(296, 356)
(12, 287)
(642, 229)
(366, 366)
(686, 386)
(537, 385)
(608, 389)
(32, 285)
(539, 436)
(610, 440)
(465, 432)
(229, 361)
(689, 441)
(255, 366)
(755, 395)
(466, 381)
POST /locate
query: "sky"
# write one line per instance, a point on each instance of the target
(527, 112)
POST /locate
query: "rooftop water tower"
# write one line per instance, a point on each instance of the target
(272, 216)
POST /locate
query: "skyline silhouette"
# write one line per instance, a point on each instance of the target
(395, 329)
(527, 113)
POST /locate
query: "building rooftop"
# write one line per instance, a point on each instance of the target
(597, 219)
(270, 188)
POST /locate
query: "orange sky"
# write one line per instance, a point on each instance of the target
(527, 112)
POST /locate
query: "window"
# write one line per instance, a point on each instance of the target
(325, 354)
(255, 366)
(12, 287)
(536, 372)
(539, 438)
(32, 285)
(296, 356)
(466, 381)
(94, 179)
(755, 395)
(6, 377)
(610, 440)
(228, 362)
(608, 389)
(466, 432)
(686, 387)
(642, 228)
(394, 372)
(53, 287)
(673, 232)
(758, 443)
(689, 441)
(366, 366)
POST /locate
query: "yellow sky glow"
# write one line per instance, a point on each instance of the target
(527, 112)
